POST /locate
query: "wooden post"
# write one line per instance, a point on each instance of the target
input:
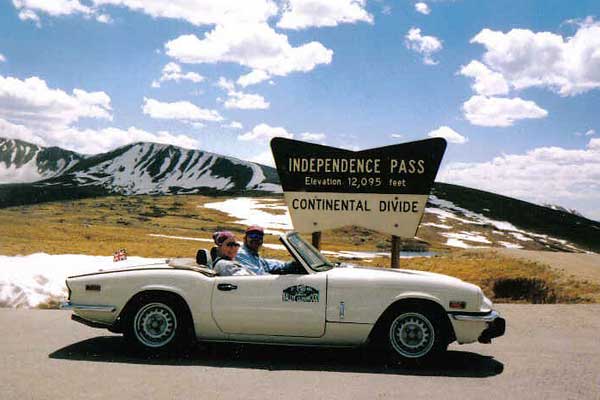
(316, 240)
(395, 256)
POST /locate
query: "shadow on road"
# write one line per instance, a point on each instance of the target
(280, 358)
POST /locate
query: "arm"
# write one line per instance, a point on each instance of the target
(231, 268)
(276, 266)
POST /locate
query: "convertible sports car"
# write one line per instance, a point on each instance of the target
(412, 315)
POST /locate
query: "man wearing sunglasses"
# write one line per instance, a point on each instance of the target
(226, 264)
(249, 257)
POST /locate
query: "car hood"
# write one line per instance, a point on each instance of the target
(351, 275)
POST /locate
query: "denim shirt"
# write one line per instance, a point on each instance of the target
(255, 263)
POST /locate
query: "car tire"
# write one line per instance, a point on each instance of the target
(415, 336)
(158, 325)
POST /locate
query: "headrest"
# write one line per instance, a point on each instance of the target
(203, 258)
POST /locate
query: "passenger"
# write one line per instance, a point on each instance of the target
(225, 264)
(249, 257)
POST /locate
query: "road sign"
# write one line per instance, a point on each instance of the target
(384, 189)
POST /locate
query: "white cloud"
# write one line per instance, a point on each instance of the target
(396, 136)
(312, 137)
(201, 12)
(233, 125)
(172, 72)
(256, 46)
(54, 8)
(449, 134)
(180, 110)
(28, 15)
(240, 100)
(542, 175)
(422, 8)
(264, 158)
(300, 14)
(226, 84)
(252, 78)
(499, 111)
(2, 58)
(15, 131)
(196, 12)
(487, 82)
(589, 132)
(31, 111)
(92, 141)
(425, 45)
(104, 18)
(32, 103)
(264, 132)
(246, 101)
(568, 66)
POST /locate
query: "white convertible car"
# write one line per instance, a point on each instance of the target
(413, 315)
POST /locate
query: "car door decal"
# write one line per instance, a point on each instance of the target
(300, 293)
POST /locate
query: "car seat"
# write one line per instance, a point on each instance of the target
(214, 253)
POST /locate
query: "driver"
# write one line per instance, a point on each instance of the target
(225, 264)
(249, 257)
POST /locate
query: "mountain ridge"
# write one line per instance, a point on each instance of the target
(136, 168)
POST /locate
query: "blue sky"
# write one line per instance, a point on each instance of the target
(349, 73)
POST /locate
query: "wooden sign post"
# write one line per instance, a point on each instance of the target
(395, 256)
(316, 240)
(384, 189)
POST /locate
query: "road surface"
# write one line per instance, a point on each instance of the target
(549, 352)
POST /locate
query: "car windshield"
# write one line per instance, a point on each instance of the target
(315, 260)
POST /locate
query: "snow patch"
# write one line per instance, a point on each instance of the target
(252, 211)
(441, 226)
(28, 281)
(468, 236)
(520, 236)
(509, 245)
(459, 243)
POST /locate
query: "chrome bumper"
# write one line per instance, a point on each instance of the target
(87, 307)
(490, 317)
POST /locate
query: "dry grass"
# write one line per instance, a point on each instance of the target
(101, 226)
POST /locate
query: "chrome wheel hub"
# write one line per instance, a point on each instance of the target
(412, 335)
(155, 325)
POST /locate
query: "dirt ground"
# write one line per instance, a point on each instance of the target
(581, 266)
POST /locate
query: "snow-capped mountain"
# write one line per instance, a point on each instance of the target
(139, 168)
(26, 162)
(151, 168)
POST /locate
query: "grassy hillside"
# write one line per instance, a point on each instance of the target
(583, 232)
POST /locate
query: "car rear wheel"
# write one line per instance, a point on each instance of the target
(416, 336)
(157, 325)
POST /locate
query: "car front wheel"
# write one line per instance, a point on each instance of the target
(416, 336)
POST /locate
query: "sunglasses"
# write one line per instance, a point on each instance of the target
(255, 235)
(232, 244)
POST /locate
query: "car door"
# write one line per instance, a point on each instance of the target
(282, 305)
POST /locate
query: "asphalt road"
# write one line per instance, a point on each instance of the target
(549, 352)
